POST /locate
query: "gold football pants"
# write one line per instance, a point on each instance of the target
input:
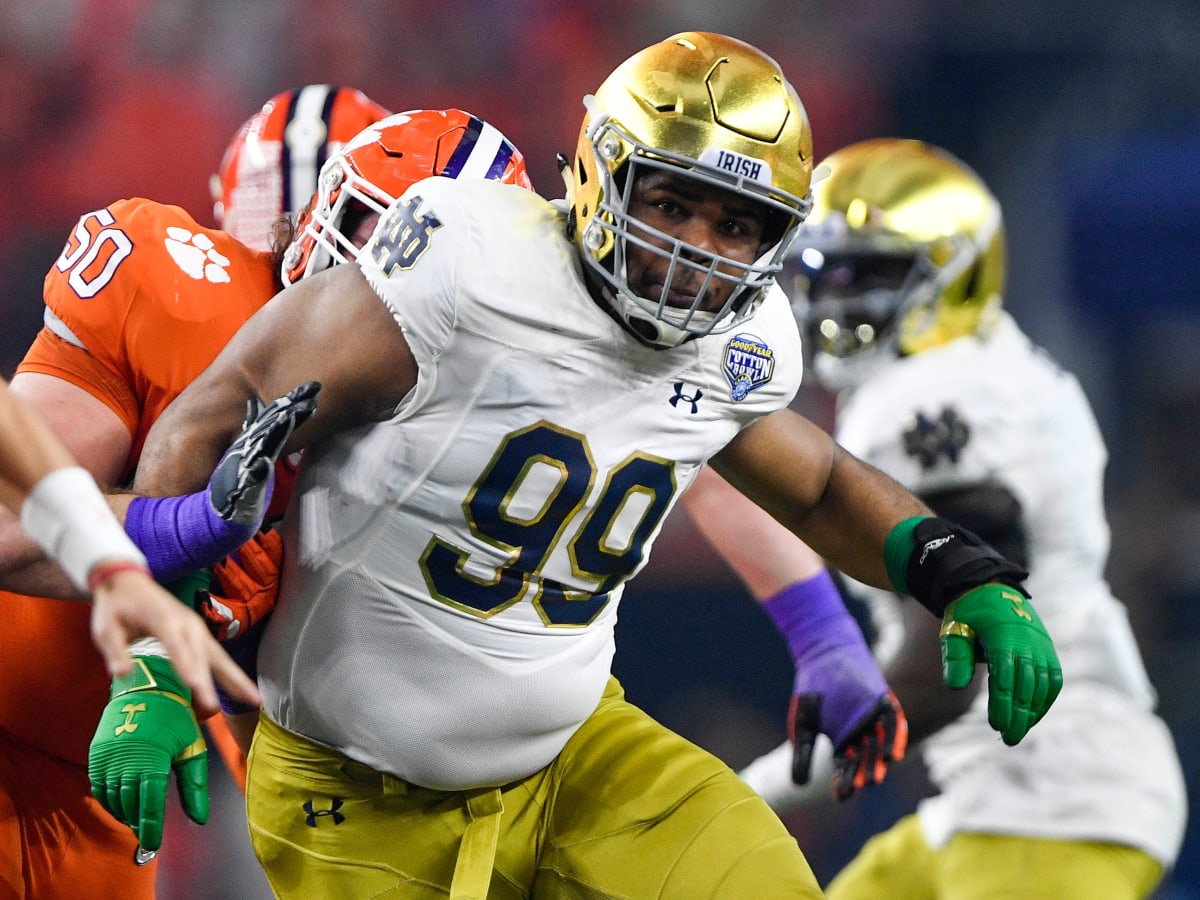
(628, 809)
(899, 865)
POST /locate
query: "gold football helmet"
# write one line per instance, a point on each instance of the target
(723, 112)
(903, 251)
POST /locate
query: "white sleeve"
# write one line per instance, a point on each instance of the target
(411, 261)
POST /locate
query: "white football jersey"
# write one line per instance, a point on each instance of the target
(453, 574)
(1101, 765)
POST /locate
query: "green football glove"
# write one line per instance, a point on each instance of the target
(1024, 675)
(147, 729)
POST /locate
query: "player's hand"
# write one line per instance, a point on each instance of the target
(840, 692)
(997, 624)
(863, 747)
(147, 731)
(129, 605)
(182, 534)
(240, 487)
(249, 587)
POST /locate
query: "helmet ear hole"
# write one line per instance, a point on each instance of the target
(971, 288)
(352, 219)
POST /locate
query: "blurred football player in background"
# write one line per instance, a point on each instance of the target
(897, 278)
(532, 386)
(270, 167)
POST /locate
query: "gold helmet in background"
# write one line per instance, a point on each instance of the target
(721, 111)
(904, 251)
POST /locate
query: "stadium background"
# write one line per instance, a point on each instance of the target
(1084, 118)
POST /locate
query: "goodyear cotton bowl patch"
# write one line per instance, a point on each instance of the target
(749, 364)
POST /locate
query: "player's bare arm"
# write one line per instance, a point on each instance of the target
(765, 555)
(331, 328)
(96, 438)
(840, 506)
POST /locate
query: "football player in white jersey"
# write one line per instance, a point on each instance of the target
(514, 394)
(279, 148)
(897, 277)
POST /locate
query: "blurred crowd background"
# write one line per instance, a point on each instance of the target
(1083, 117)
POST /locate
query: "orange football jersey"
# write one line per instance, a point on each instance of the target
(140, 301)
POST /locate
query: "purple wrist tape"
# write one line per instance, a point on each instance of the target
(182, 534)
(832, 658)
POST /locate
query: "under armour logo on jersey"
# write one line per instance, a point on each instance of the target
(313, 814)
(196, 255)
(694, 399)
(402, 236)
(930, 439)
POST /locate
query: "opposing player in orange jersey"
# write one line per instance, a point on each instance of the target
(138, 303)
(111, 356)
(64, 512)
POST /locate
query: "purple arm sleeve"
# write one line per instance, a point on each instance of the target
(833, 661)
(181, 534)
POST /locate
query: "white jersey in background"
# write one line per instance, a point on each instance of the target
(1101, 765)
(452, 579)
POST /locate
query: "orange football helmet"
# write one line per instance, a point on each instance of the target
(380, 164)
(270, 167)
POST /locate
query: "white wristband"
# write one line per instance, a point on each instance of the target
(70, 520)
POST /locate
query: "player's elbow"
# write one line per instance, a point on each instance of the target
(24, 568)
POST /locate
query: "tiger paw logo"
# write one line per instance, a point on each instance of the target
(196, 255)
